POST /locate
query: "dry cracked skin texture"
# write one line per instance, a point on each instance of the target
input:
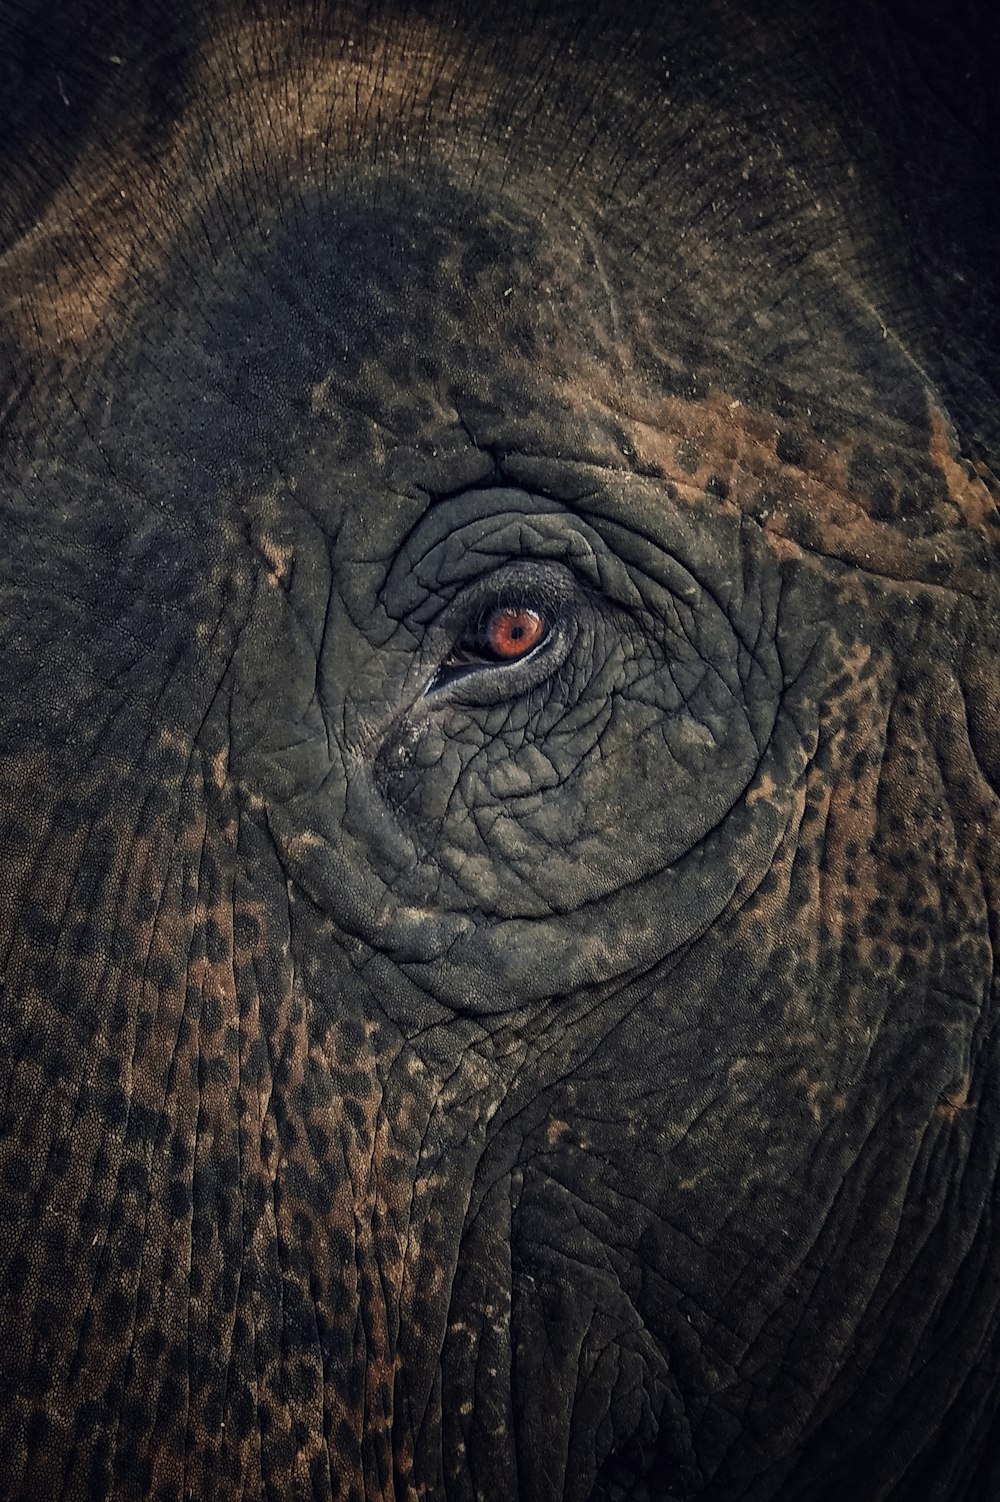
(430, 1077)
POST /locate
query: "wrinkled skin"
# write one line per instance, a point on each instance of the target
(430, 1074)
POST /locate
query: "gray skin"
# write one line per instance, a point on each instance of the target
(430, 1073)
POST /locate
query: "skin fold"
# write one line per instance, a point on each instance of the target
(430, 1070)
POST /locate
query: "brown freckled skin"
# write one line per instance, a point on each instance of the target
(955, 1101)
(567, 1077)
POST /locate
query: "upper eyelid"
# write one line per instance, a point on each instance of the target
(546, 586)
(549, 583)
(524, 594)
(539, 607)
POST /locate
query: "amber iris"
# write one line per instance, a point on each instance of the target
(512, 632)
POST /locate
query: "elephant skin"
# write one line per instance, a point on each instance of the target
(434, 1068)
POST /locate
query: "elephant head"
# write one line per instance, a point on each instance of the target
(498, 739)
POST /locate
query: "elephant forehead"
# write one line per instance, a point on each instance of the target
(396, 339)
(395, 260)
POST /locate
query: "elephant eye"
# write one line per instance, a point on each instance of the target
(512, 631)
(506, 633)
(494, 638)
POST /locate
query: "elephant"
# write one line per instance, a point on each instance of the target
(499, 723)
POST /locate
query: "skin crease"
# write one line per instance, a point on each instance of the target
(433, 1075)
